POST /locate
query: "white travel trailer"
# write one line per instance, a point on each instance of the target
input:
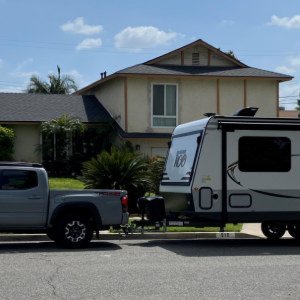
(235, 169)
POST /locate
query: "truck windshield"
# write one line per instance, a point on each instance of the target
(181, 158)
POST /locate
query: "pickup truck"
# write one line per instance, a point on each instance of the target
(69, 217)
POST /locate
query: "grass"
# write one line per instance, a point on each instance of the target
(228, 228)
(65, 184)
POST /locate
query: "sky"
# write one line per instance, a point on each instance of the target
(86, 38)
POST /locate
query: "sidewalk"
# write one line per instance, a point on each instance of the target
(255, 229)
(249, 231)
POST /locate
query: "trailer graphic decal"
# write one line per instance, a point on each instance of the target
(180, 159)
(231, 174)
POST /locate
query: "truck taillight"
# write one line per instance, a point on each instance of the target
(124, 202)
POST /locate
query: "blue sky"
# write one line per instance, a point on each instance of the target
(88, 37)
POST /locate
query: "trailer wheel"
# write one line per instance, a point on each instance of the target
(273, 231)
(292, 230)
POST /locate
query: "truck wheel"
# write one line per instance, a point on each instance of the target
(51, 234)
(273, 231)
(74, 231)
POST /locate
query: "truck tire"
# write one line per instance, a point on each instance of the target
(74, 231)
(51, 234)
(273, 231)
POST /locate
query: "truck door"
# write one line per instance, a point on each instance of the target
(22, 200)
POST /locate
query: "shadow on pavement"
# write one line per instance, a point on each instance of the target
(31, 247)
(226, 247)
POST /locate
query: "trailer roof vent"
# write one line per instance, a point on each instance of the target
(246, 112)
(209, 114)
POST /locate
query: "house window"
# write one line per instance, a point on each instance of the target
(264, 154)
(164, 105)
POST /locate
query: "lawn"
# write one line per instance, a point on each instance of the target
(65, 183)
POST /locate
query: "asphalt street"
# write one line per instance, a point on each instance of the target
(158, 269)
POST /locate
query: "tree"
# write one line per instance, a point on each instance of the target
(62, 128)
(58, 84)
(7, 137)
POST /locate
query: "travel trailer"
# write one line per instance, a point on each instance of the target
(235, 169)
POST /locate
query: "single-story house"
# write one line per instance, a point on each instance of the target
(24, 113)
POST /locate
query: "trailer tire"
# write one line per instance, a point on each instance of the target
(292, 230)
(273, 231)
(74, 231)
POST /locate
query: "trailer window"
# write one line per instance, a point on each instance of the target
(181, 158)
(264, 154)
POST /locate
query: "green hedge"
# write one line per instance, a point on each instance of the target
(7, 138)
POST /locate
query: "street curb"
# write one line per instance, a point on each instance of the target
(137, 236)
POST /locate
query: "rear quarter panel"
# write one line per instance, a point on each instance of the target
(107, 202)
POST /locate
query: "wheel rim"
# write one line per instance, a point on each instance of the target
(75, 231)
(274, 229)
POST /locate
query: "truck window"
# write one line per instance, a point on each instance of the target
(181, 158)
(18, 180)
(264, 154)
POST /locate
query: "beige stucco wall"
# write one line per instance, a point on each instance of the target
(231, 96)
(111, 95)
(151, 147)
(26, 141)
(138, 104)
(263, 94)
(196, 97)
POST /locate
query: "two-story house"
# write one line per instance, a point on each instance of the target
(148, 100)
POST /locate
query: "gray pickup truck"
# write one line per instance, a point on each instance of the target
(69, 217)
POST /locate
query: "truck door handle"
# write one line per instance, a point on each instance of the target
(34, 198)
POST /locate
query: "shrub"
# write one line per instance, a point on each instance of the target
(120, 168)
(7, 138)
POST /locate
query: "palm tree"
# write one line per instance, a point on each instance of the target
(57, 84)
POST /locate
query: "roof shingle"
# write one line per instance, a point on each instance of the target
(21, 107)
(175, 70)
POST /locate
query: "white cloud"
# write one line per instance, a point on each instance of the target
(137, 38)
(285, 70)
(78, 26)
(13, 89)
(19, 72)
(1, 63)
(295, 61)
(227, 22)
(89, 44)
(292, 22)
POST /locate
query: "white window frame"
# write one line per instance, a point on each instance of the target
(164, 116)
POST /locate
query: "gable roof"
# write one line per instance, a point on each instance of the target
(19, 107)
(154, 67)
(196, 43)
